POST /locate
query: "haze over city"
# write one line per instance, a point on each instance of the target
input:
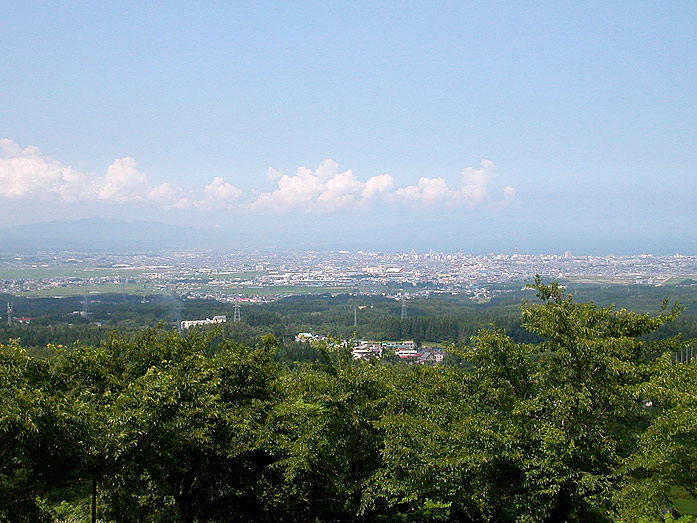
(459, 127)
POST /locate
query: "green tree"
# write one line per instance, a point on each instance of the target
(47, 439)
(536, 432)
(190, 430)
(587, 422)
(327, 429)
(667, 451)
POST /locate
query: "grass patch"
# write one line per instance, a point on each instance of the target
(679, 279)
(81, 290)
(35, 273)
(683, 501)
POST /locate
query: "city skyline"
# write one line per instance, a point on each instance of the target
(487, 128)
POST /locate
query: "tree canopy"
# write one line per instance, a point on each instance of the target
(593, 422)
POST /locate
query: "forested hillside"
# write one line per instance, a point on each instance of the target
(584, 418)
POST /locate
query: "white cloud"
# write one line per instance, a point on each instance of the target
(341, 190)
(435, 191)
(123, 182)
(479, 177)
(377, 185)
(509, 195)
(273, 174)
(475, 182)
(218, 194)
(10, 149)
(429, 191)
(167, 196)
(323, 190)
(26, 174)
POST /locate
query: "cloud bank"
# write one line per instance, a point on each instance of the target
(26, 175)
(323, 190)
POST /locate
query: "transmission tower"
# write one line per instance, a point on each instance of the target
(355, 316)
(404, 308)
(85, 306)
(9, 313)
(236, 314)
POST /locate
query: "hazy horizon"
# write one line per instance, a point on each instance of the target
(116, 235)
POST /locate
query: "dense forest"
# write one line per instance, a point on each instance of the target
(564, 410)
(439, 318)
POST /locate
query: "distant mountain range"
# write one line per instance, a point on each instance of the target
(100, 234)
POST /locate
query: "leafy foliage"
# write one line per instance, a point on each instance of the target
(587, 419)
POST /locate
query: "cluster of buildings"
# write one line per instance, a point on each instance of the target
(404, 350)
(187, 324)
(367, 350)
(265, 275)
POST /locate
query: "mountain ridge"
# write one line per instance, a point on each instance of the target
(99, 234)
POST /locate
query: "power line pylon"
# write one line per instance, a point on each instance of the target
(236, 314)
(404, 308)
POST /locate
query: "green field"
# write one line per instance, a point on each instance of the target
(625, 279)
(604, 280)
(679, 279)
(80, 290)
(32, 273)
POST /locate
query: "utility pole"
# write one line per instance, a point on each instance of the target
(94, 500)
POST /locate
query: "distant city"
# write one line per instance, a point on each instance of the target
(265, 276)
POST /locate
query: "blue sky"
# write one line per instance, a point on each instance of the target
(541, 127)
